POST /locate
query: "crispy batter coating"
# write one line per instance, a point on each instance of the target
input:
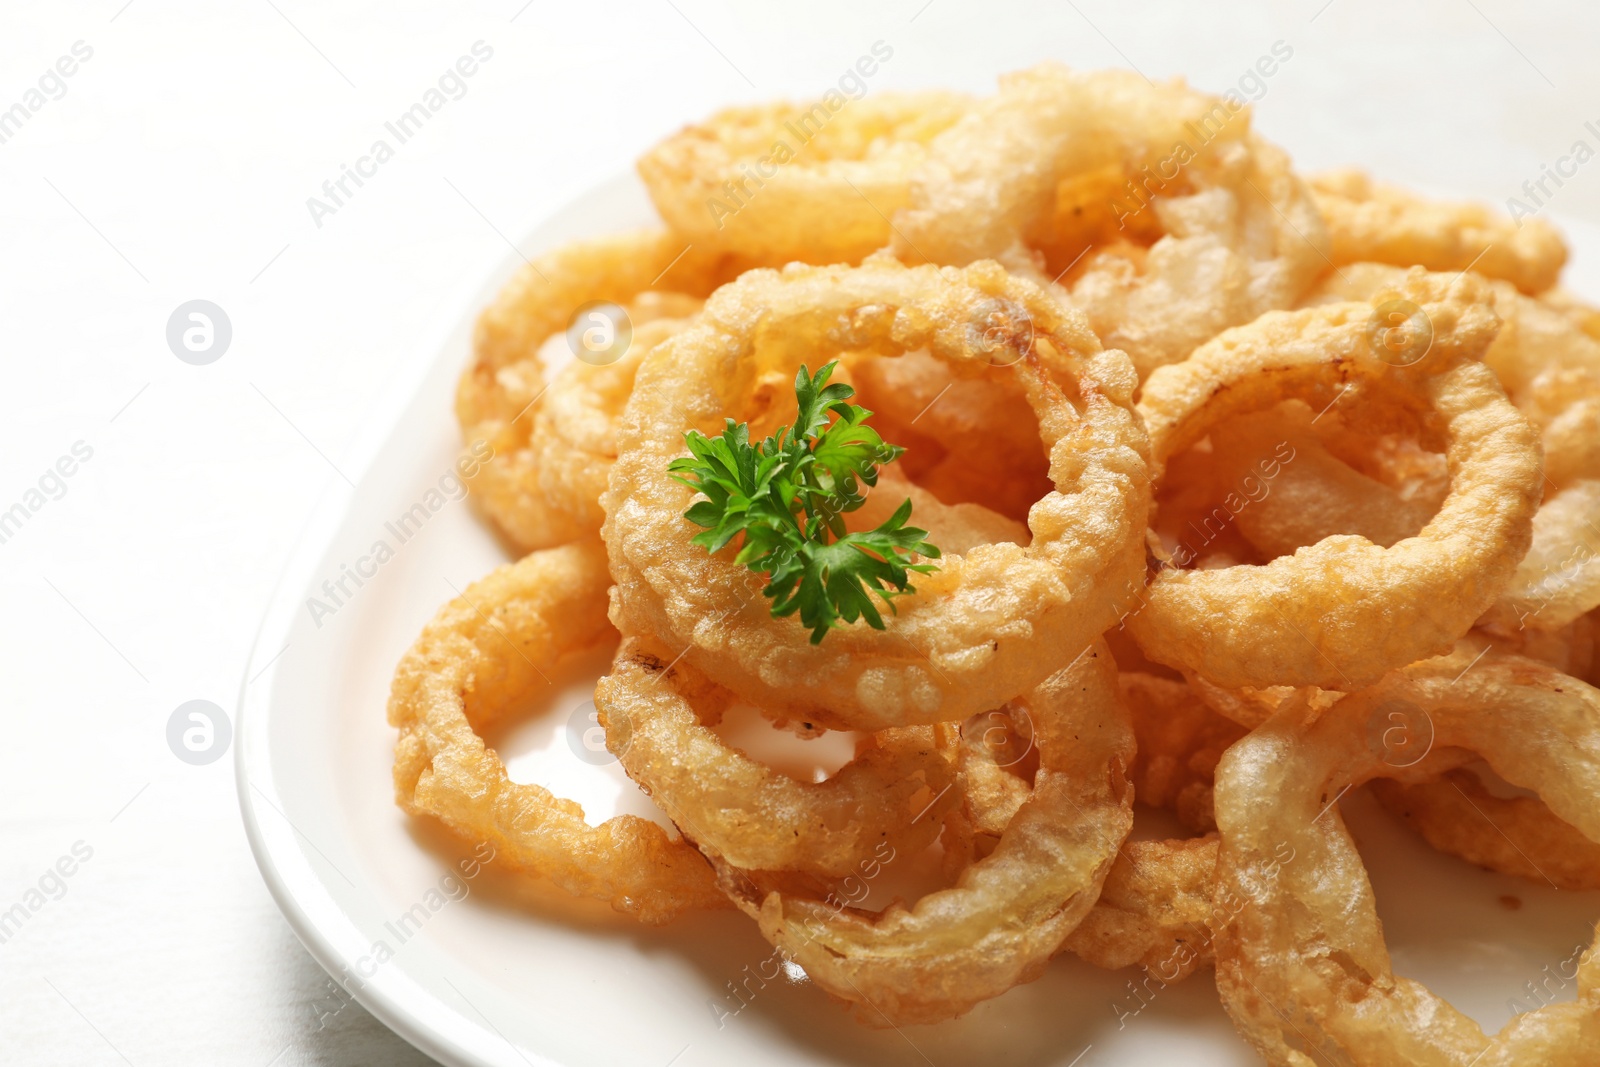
(1180, 740)
(737, 809)
(502, 389)
(815, 181)
(1550, 368)
(1558, 579)
(986, 625)
(478, 661)
(1061, 163)
(1382, 223)
(1342, 612)
(1009, 912)
(1154, 910)
(1155, 907)
(1456, 813)
(1306, 936)
(572, 438)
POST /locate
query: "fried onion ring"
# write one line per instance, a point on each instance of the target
(1238, 233)
(477, 662)
(976, 632)
(1581, 314)
(736, 809)
(1342, 612)
(1374, 221)
(1302, 967)
(1155, 910)
(1008, 913)
(792, 182)
(1551, 369)
(572, 439)
(1549, 365)
(1180, 740)
(502, 387)
(1458, 815)
(1558, 580)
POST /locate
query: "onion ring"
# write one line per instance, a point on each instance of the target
(982, 628)
(1570, 650)
(572, 437)
(742, 812)
(1558, 579)
(1180, 740)
(1457, 812)
(1238, 232)
(476, 662)
(1155, 907)
(1549, 365)
(1374, 221)
(1008, 913)
(1453, 811)
(1155, 910)
(1551, 369)
(791, 181)
(998, 760)
(503, 385)
(1581, 314)
(1342, 612)
(1309, 943)
(1458, 815)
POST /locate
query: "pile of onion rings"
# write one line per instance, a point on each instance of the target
(1188, 482)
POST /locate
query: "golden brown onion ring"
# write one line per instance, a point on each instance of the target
(815, 182)
(1009, 912)
(502, 387)
(1578, 312)
(1155, 910)
(737, 809)
(1155, 907)
(1378, 222)
(572, 437)
(1302, 966)
(478, 661)
(1447, 806)
(1558, 580)
(1342, 612)
(1236, 232)
(1457, 814)
(1180, 740)
(1551, 369)
(987, 624)
(1549, 365)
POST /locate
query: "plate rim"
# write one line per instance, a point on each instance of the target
(394, 1002)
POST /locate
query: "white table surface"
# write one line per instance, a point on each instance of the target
(176, 165)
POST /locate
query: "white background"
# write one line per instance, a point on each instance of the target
(177, 166)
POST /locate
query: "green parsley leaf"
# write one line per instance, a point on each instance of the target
(787, 497)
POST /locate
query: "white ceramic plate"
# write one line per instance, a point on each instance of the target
(484, 973)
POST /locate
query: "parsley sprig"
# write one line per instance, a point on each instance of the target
(787, 496)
